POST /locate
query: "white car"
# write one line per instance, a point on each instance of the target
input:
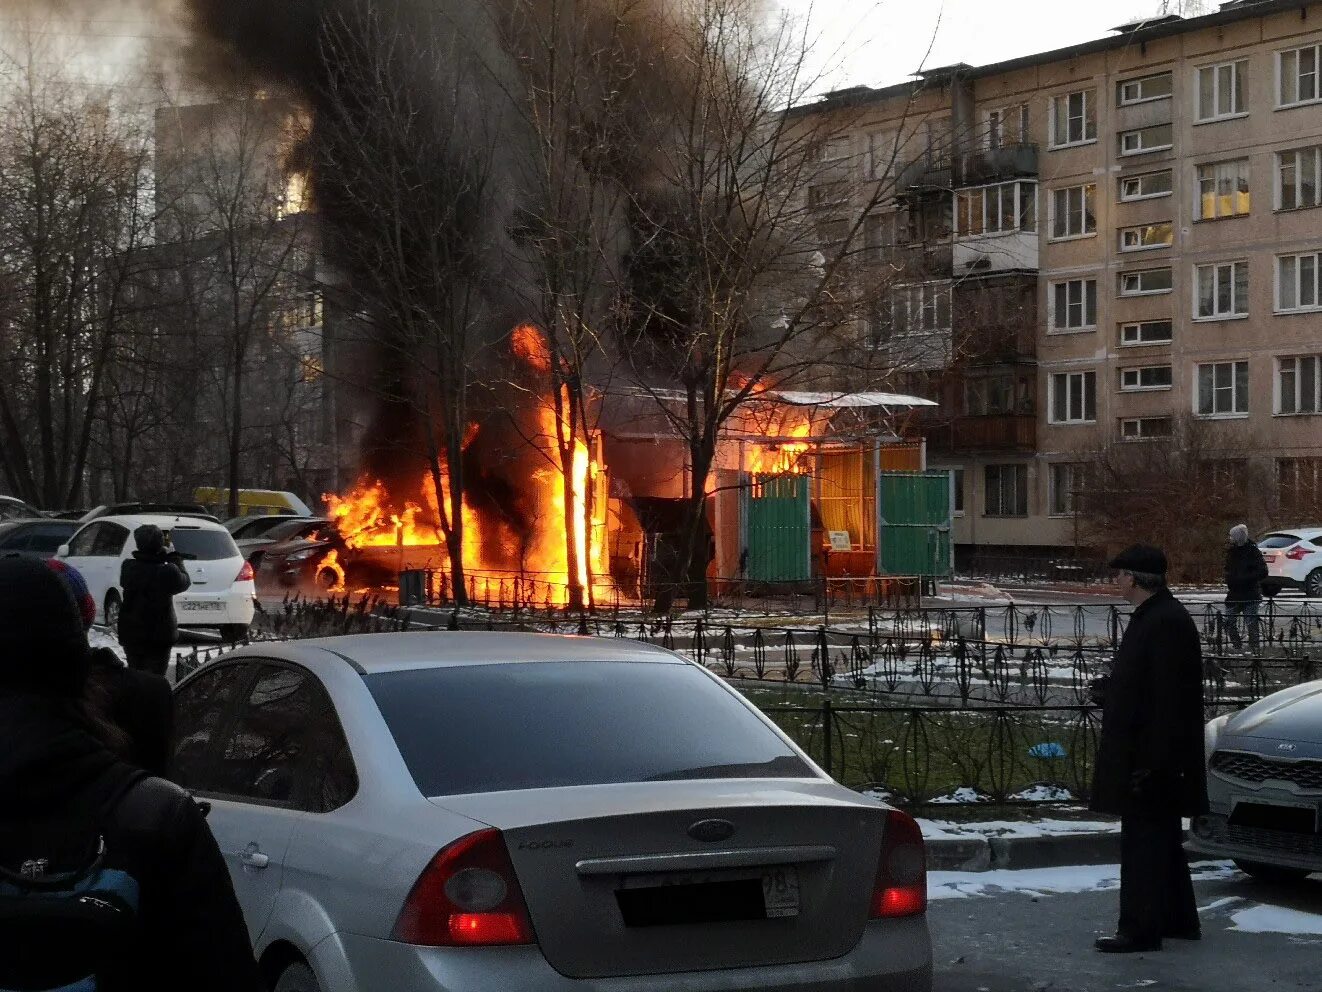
(222, 594)
(1294, 560)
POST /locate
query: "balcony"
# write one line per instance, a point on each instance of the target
(918, 259)
(1000, 432)
(989, 165)
(1009, 251)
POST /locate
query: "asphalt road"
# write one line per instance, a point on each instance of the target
(1023, 942)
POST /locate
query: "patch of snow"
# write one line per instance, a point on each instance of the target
(1050, 881)
(1276, 919)
(1043, 793)
(960, 796)
(1016, 828)
(99, 637)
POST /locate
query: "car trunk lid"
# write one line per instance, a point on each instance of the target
(661, 877)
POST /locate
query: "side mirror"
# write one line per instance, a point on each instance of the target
(62, 551)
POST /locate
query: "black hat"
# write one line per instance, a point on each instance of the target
(43, 644)
(149, 539)
(1141, 558)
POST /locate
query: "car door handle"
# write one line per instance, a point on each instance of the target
(252, 857)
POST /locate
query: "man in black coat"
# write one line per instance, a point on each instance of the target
(150, 580)
(1150, 761)
(1245, 570)
(62, 788)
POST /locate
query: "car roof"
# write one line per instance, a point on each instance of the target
(1304, 532)
(410, 651)
(163, 521)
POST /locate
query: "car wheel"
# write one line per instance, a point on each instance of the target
(1313, 584)
(297, 977)
(1271, 873)
(112, 607)
(232, 633)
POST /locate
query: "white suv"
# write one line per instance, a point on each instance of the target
(222, 594)
(1294, 560)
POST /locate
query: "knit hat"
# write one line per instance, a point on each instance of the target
(78, 586)
(149, 539)
(43, 643)
(1239, 534)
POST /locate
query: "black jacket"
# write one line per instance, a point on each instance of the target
(140, 704)
(150, 583)
(1150, 758)
(194, 936)
(1245, 570)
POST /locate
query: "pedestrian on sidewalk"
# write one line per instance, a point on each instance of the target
(1245, 570)
(109, 878)
(150, 580)
(1150, 760)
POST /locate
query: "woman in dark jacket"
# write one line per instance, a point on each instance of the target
(63, 792)
(150, 580)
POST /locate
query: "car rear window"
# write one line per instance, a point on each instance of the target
(204, 545)
(492, 728)
(1278, 541)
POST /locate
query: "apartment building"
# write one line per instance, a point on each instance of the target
(1110, 244)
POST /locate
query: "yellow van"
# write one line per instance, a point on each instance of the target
(252, 502)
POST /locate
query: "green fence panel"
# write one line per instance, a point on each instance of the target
(776, 532)
(914, 523)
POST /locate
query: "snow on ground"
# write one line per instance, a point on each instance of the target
(945, 829)
(1047, 881)
(1277, 919)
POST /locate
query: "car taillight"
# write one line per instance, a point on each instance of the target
(1298, 553)
(468, 896)
(245, 573)
(901, 886)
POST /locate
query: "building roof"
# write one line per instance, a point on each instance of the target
(842, 401)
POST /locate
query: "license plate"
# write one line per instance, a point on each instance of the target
(201, 605)
(1269, 558)
(1274, 814)
(779, 884)
(780, 891)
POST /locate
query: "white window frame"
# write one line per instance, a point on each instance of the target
(1139, 274)
(1297, 386)
(1137, 232)
(1315, 53)
(1237, 401)
(1081, 305)
(1299, 283)
(1139, 177)
(1071, 471)
(1141, 149)
(924, 298)
(991, 208)
(1238, 75)
(1139, 421)
(1217, 178)
(1138, 81)
(1217, 271)
(1138, 326)
(1294, 155)
(1085, 199)
(1080, 386)
(1020, 471)
(1089, 110)
(1131, 379)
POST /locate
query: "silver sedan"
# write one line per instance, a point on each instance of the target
(484, 812)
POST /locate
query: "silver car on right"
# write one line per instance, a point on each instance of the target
(1264, 784)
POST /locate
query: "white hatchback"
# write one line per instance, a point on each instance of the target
(222, 594)
(1294, 560)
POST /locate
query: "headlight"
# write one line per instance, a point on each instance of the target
(1212, 734)
(304, 555)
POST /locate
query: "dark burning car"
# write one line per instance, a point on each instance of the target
(1264, 780)
(303, 560)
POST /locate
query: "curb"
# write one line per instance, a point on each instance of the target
(1014, 853)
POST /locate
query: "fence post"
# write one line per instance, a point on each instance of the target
(826, 737)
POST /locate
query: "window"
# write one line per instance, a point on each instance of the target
(1298, 385)
(1142, 140)
(647, 723)
(85, 540)
(1074, 304)
(1005, 491)
(1143, 89)
(836, 149)
(1072, 213)
(1223, 190)
(1223, 389)
(1296, 69)
(833, 234)
(998, 209)
(1145, 186)
(1145, 428)
(1073, 119)
(1147, 377)
(1007, 126)
(1298, 481)
(989, 395)
(111, 540)
(1299, 178)
(826, 194)
(1146, 332)
(878, 234)
(1067, 481)
(1145, 282)
(958, 474)
(1221, 290)
(921, 308)
(1223, 90)
(201, 706)
(1146, 236)
(204, 545)
(882, 153)
(1297, 282)
(1073, 397)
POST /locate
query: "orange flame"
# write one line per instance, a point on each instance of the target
(781, 457)
(330, 566)
(527, 343)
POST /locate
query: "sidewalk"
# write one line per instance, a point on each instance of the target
(1006, 844)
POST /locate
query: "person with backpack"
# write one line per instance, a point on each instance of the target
(150, 580)
(110, 879)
